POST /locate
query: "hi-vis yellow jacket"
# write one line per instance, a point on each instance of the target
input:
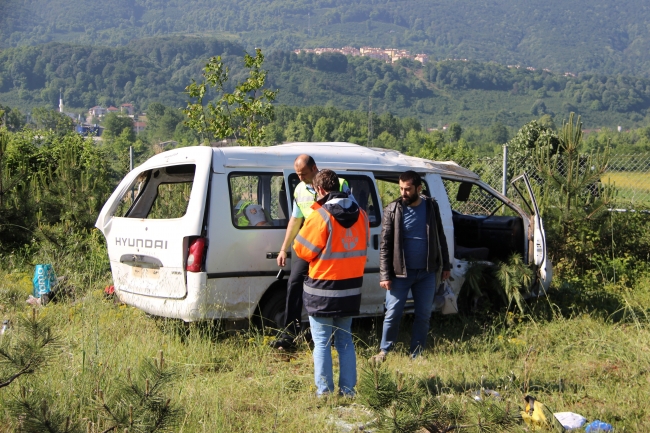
(334, 241)
(305, 199)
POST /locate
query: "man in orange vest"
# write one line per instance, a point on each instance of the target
(333, 241)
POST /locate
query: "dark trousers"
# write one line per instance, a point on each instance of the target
(293, 309)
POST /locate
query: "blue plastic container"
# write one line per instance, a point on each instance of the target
(44, 280)
(599, 426)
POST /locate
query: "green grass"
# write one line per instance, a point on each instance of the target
(630, 186)
(582, 362)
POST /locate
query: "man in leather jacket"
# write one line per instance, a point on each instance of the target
(413, 256)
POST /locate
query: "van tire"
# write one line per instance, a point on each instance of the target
(271, 310)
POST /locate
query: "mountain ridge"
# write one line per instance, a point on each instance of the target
(595, 36)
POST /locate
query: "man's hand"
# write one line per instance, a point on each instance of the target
(282, 259)
(385, 284)
(445, 275)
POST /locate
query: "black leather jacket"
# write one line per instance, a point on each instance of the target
(391, 250)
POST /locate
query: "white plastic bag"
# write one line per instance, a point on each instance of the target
(570, 420)
(450, 305)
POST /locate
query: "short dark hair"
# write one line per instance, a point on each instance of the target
(411, 176)
(326, 179)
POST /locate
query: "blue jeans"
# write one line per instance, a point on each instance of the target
(423, 287)
(323, 329)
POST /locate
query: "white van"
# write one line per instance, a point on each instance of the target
(179, 247)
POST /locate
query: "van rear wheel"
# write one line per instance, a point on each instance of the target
(272, 310)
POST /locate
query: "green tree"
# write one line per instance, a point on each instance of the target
(455, 131)
(12, 119)
(498, 133)
(27, 349)
(323, 129)
(241, 114)
(115, 126)
(574, 202)
(547, 122)
(52, 120)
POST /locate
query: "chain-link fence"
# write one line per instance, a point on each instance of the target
(628, 175)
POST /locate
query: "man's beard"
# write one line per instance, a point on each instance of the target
(408, 199)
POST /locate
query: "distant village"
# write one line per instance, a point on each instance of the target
(90, 126)
(388, 55)
(392, 55)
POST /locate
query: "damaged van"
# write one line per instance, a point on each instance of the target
(194, 233)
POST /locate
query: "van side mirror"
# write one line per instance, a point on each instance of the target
(463, 191)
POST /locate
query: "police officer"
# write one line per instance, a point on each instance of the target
(304, 197)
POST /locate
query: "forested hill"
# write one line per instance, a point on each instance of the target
(600, 36)
(158, 69)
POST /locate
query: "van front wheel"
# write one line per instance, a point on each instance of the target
(272, 310)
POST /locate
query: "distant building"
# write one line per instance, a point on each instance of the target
(350, 51)
(128, 109)
(138, 127)
(112, 109)
(97, 111)
(422, 58)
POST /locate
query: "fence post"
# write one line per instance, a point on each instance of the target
(504, 185)
(131, 167)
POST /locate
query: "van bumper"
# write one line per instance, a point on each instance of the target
(191, 308)
(228, 299)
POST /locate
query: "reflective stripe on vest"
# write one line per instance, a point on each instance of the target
(331, 293)
(346, 246)
(305, 199)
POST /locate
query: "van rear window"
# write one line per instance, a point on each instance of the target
(160, 193)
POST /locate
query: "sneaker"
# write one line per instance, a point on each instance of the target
(379, 358)
(284, 342)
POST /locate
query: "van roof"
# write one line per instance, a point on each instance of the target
(336, 156)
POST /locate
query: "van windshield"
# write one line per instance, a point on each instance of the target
(159, 193)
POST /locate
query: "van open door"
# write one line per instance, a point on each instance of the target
(154, 223)
(537, 242)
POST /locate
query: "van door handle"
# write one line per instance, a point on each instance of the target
(375, 242)
(275, 255)
(141, 261)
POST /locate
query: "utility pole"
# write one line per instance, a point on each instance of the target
(369, 121)
(504, 183)
(309, 23)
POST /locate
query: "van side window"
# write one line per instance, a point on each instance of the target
(363, 190)
(258, 200)
(470, 199)
(159, 193)
(389, 189)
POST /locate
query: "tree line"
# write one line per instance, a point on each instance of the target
(438, 93)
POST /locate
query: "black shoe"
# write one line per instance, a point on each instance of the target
(283, 342)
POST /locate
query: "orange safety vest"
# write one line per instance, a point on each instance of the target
(337, 258)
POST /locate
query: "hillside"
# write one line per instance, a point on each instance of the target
(597, 36)
(158, 69)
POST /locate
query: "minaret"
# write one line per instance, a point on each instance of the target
(60, 102)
